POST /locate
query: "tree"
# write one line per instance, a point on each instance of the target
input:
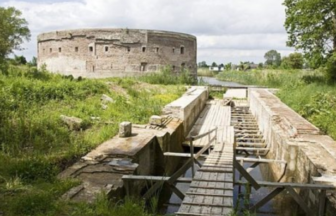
(213, 64)
(228, 66)
(13, 31)
(202, 64)
(20, 60)
(296, 60)
(273, 58)
(260, 65)
(33, 62)
(311, 25)
(293, 61)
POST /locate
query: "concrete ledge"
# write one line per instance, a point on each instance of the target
(189, 106)
(295, 140)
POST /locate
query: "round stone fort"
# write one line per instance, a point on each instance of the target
(100, 53)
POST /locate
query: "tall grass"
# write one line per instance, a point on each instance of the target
(167, 77)
(35, 145)
(307, 92)
(205, 72)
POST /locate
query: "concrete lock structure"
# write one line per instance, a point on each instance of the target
(100, 53)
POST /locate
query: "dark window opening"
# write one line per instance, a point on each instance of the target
(59, 49)
(143, 49)
(157, 49)
(173, 67)
(143, 66)
(76, 49)
(93, 68)
(182, 50)
(173, 50)
(91, 49)
(50, 49)
(128, 49)
(106, 49)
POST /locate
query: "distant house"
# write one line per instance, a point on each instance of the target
(235, 67)
(253, 66)
(216, 69)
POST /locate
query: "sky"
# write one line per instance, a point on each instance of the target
(226, 30)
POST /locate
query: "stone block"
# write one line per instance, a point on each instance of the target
(125, 129)
(72, 122)
(106, 99)
(155, 120)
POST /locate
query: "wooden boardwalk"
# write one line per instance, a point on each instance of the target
(211, 190)
(213, 115)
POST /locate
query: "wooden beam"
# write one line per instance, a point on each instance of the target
(266, 199)
(322, 198)
(176, 154)
(291, 184)
(298, 199)
(260, 160)
(176, 191)
(246, 175)
(153, 189)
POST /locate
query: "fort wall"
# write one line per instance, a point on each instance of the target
(99, 53)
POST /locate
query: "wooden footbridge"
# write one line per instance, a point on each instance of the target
(227, 137)
(211, 189)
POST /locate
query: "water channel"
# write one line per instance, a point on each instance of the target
(214, 81)
(280, 206)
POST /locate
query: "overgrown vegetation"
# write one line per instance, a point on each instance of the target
(205, 72)
(35, 145)
(308, 92)
(167, 77)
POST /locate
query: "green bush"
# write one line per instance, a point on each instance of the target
(33, 169)
(330, 68)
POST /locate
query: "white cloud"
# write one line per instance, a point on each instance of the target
(220, 25)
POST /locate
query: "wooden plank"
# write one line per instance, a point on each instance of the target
(153, 178)
(208, 204)
(208, 194)
(212, 187)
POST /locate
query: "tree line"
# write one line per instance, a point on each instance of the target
(272, 60)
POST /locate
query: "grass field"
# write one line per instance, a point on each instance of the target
(35, 145)
(307, 92)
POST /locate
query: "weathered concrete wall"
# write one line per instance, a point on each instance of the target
(98, 53)
(189, 106)
(99, 170)
(297, 141)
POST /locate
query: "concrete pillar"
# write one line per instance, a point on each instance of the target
(125, 129)
(155, 120)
